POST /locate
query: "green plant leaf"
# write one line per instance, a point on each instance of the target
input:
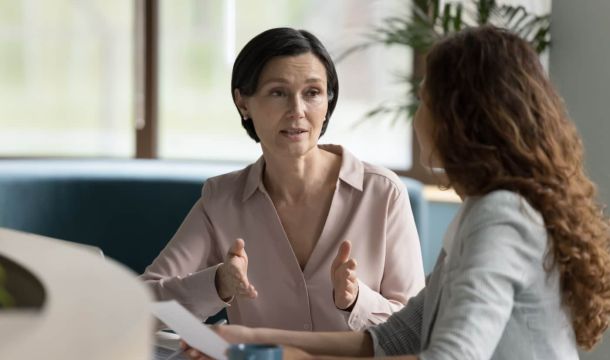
(429, 21)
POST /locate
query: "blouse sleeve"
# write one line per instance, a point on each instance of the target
(185, 270)
(403, 275)
(401, 333)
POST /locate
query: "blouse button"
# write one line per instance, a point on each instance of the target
(306, 327)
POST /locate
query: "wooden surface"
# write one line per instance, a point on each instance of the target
(95, 308)
(435, 194)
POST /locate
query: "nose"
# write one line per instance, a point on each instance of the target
(296, 107)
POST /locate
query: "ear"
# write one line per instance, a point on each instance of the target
(241, 102)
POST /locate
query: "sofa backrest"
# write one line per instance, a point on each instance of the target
(130, 209)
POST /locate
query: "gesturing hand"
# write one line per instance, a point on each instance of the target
(232, 275)
(343, 277)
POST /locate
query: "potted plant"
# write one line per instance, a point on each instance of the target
(427, 22)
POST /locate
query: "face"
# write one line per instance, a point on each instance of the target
(289, 105)
(423, 126)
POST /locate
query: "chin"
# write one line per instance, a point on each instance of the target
(300, 148)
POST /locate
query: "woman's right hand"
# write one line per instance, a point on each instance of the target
(232, 275)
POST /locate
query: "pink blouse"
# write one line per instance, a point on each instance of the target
(370, 207)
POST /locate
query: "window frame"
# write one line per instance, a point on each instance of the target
(146, 66)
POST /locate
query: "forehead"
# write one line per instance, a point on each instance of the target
(291, 68)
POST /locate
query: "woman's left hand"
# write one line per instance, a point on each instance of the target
(343, 277)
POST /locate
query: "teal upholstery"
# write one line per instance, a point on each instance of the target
(130, 208)
(419, 207)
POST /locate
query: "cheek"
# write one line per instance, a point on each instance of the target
(319, 111)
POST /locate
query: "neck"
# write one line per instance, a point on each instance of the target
(294, 179)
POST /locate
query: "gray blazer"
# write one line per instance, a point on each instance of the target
(490, 297)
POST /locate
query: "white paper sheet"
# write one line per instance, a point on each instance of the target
(190, 329)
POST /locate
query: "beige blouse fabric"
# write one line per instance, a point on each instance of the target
(370, 207)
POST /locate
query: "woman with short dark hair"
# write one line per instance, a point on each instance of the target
(331, 241)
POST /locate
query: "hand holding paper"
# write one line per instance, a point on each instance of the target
(196, 334)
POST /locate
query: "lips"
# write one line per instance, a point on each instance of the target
(293, 131)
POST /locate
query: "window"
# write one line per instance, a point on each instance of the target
(66, 78)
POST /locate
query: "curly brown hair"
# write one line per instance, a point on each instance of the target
(500, 124)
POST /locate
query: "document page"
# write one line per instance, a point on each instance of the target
(190, 329)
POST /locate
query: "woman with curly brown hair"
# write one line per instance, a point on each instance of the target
(525, 268)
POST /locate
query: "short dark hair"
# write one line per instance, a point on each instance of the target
(273, 43)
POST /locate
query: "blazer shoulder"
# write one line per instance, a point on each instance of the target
(500, 206)
(503, 216)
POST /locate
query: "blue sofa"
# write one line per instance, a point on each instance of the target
(128, 208)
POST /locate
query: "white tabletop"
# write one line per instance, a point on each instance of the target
(94, 308)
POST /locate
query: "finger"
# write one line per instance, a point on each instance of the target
(237, 272)
(351, 264)
(249, 295)
(352, 288)
(238, 248)
(347, 286)
(339, 277)
(342, 255)
(193, 354)
(342, 282)
(351, 273)
(248, 292)
(347, 283)
(241, 280)
(344, 251)
(344, 272)
(352, 278)
(239, 275)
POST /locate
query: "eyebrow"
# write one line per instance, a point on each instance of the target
(284, 81)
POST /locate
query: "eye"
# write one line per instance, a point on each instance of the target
(277, 92)
(313, 92)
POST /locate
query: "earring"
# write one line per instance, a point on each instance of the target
(244, 117)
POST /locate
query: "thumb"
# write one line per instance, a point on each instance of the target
(344, 251)
(342, 255)
(238, 248)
